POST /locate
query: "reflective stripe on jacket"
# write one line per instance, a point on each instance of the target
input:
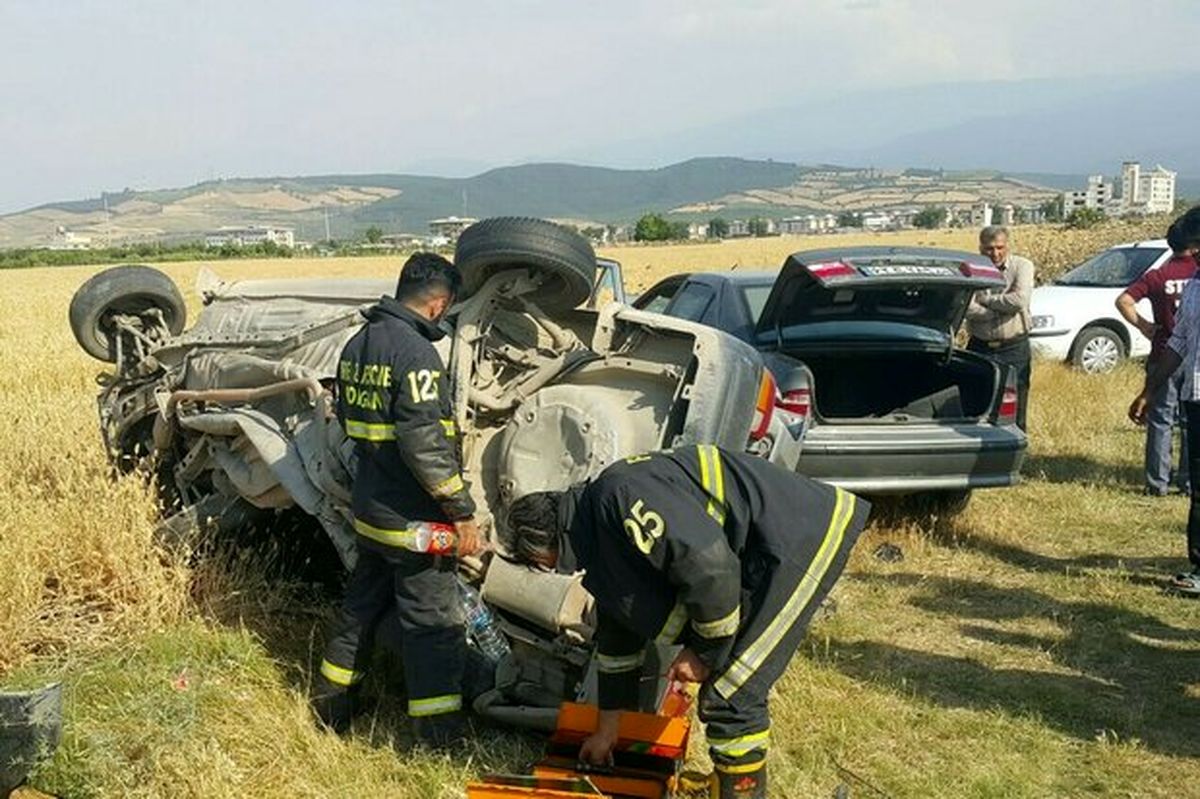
(394, 401)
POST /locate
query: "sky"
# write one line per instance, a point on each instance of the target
(100, 96)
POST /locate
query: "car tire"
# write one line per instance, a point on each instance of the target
(129, 289)
(565, 259)
(1098, 350)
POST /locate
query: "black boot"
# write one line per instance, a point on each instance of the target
(333, 705)
(744, 778)
(443, 731)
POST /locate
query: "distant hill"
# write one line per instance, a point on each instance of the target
(397, 203)
(697, 189)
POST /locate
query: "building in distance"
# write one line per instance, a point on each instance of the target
(250, 235)
(1141, 192)
(448, 229)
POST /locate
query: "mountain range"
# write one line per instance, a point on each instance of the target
(1008, 141)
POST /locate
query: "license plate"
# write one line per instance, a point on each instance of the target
(890, 270)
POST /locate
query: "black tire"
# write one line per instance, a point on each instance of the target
(1098, 350)
(563, 256)
(129, 289)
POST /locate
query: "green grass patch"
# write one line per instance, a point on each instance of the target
(1025, 648)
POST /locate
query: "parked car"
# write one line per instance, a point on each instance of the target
(861, 343)
(234, 414)
(1075, 318)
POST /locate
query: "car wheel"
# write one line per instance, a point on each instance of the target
(564, 258)
(130, 290)
(1098, 350)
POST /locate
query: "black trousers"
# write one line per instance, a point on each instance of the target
(1191, 412)
(733, 702)
(424, 591)
(1012, 356)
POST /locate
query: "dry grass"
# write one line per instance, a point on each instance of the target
(1022, 649)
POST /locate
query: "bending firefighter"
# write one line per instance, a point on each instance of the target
(393, 400)
(722, 552)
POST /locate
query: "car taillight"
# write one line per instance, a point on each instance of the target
(764, 406)
(797, 401)
(1008, 406)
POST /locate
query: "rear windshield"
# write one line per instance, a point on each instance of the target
(1115, 268)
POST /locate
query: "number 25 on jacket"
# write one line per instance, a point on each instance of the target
(644, 526)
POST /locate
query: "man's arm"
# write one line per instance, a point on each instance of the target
(1156, 378)
(1178, 349)
(1016, 299)
(619, 657)
(1127, 305)
(975, 309)
(424, 440)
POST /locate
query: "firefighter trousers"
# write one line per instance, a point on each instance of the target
(424, 590)
(733, 702)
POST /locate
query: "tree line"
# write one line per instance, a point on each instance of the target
(147, 252)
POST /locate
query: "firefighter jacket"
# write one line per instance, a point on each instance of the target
(685, 546)
(394, 401)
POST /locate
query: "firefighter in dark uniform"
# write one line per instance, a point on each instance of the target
(720, 551)
(394, 401)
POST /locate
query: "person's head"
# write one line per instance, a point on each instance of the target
(428, 285)
(993, 242)
(532, 534)
(1183, 236)
(1176, 241)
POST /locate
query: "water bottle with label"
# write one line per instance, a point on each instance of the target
(481, 625)
(434, 538)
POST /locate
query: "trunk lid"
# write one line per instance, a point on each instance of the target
(866, 296)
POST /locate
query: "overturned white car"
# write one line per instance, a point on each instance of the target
(234, 415)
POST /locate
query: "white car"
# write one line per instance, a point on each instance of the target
(1075, 318)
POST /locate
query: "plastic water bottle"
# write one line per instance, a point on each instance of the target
(481, 625)
(435, 538)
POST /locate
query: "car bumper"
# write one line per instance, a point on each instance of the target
(905, 458)
(1055, 344)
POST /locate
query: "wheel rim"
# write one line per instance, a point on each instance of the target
(1100, 355)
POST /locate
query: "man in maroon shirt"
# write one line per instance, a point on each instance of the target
(1164, 288)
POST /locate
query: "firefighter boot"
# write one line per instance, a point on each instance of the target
(333, 705)
(740, 778)
(443, 731)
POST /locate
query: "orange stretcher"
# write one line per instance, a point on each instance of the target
(646, 761)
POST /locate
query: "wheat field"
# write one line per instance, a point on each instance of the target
(1022, 649)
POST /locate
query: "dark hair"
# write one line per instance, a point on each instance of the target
(1186, 229)
(531, 533)
(1175, 238)
(426, 273)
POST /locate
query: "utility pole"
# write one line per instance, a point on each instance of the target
(107, 222)
(328, 239)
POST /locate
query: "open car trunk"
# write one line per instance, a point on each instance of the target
(899, 386)
(875, 327)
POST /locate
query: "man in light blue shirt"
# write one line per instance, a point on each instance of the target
(1183, 351)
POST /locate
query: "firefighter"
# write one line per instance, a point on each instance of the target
(720, 551)
(394, 402)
